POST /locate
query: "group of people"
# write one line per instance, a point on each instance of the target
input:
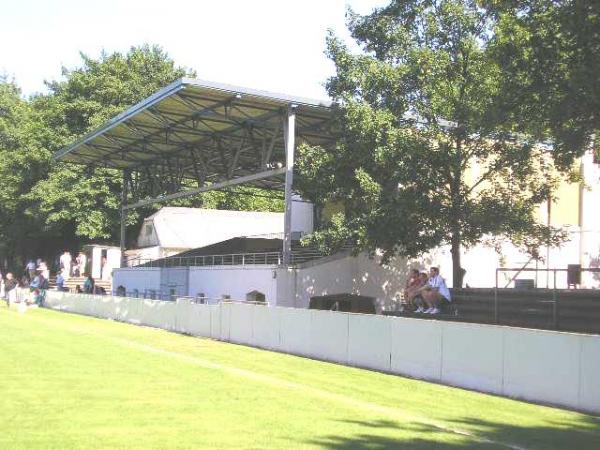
(29, 289)
(426, 294)
(72, 267)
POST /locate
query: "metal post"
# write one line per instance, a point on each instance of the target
(496, 299)
(290, 144)
(124, 216)
(555, 304)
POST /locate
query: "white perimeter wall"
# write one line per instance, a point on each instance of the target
(235, 281)
(142, 279)
(534, 365)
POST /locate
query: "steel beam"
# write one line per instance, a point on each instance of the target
(212, 187)
(126, 175)
(290, 144)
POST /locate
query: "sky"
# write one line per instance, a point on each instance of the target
(274, 45)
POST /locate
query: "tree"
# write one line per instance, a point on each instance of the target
(80, 198)
(21, 165)
(423, 159)
(549, 52)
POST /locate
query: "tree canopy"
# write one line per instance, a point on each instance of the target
(426, 157)
(549, 52)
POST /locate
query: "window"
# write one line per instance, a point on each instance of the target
(148, 230)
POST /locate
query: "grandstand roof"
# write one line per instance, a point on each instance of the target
(198, 126)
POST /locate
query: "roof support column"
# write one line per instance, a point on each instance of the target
(290, 146)
(124, 189)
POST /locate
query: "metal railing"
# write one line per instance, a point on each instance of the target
(233, 259)
(547, 296)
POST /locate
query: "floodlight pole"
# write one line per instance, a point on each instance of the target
(126, 173)
(290, 144)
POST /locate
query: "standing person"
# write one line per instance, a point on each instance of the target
(43, 269)
(81, 262)
(30, 269)
(436, 292)
(106, 269)
(65, 264)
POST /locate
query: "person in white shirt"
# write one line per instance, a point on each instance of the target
(435, 292)
(65, 264)
(82, 261)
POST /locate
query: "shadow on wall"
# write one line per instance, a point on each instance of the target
(583, 434)
(359, 275)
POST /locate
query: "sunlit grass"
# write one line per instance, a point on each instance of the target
(70, 381)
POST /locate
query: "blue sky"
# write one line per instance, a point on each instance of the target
(274, 45)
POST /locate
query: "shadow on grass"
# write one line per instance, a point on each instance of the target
(580, 434)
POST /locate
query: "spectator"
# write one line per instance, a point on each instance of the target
(412, 288)
(43, 269)
(81, 263)
(65, 264)
(121, 291)
(436, 292)
(88, 285)
(60, 282)
(418, 300)
(30, 269)
(78, 289)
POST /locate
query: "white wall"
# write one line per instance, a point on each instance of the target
(144, 279)
(174, 279)
(535, 365)
(302, 216)
(235, 281)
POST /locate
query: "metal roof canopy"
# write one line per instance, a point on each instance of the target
(210, 134)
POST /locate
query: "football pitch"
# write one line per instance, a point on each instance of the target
(71, 381)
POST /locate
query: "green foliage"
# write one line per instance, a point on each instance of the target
(549, 52)
(424, 159)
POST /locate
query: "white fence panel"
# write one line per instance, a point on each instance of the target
(158, 313)
(241, 323)
(265, 327)
(417, 348)
(541, 365)
(225, 311)
(472, 363)
(104, 306)
(215, 321)
(329, 336)
(294, 330)
(183, 315)
(369, 341)
(589, 392)
(200, 320)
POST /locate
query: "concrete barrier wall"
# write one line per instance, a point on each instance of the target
(535, 365)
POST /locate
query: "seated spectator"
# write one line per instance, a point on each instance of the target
(435, 292)
(418, 299)
(88, 285)
(412, 288)
(121, 291)
(9, 288)
(60, 282)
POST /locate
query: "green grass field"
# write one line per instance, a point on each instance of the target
(70, 381)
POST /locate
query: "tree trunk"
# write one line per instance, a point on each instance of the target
(457, 270)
